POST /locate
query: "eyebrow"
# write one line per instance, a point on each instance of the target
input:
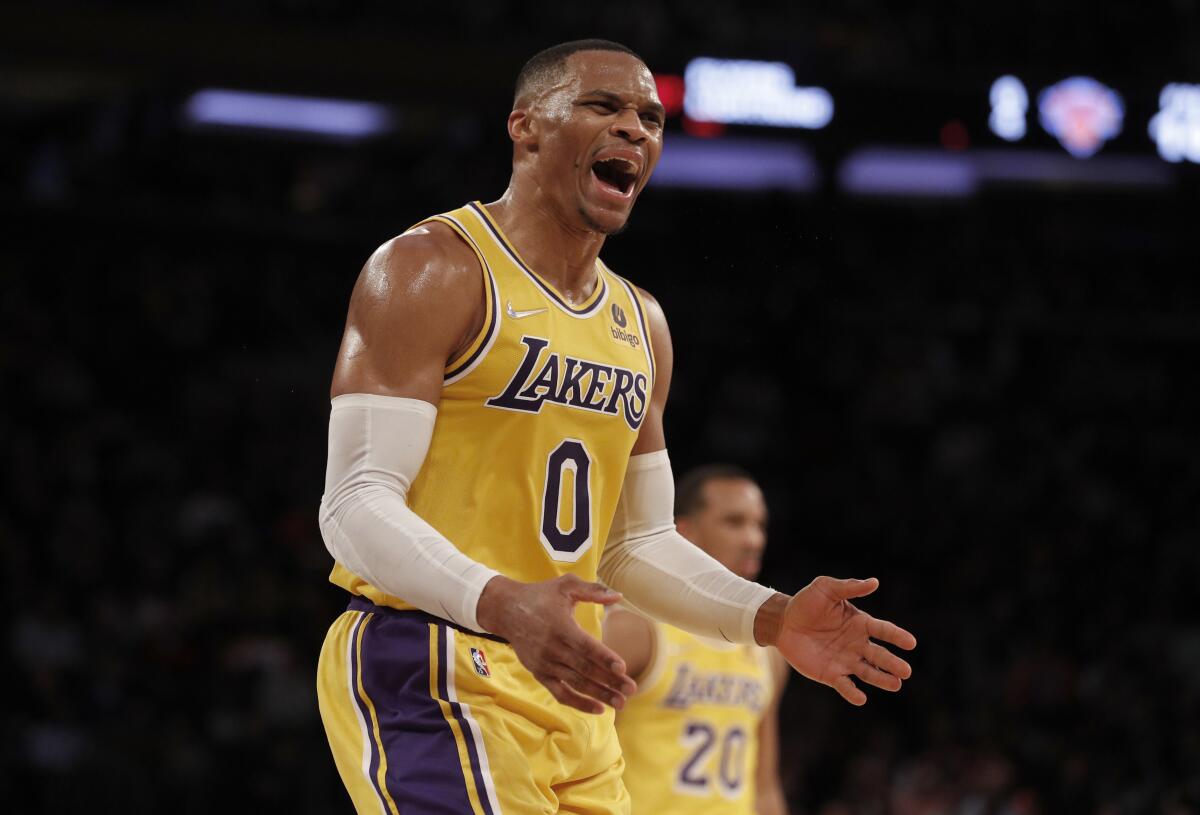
(655, 107)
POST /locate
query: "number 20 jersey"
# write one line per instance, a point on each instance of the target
(536, 421)
(690, 733)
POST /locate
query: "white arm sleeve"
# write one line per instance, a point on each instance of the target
(664, 575)
(377, 445)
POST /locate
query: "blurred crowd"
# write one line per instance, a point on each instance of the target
(1002, 430)
(855, 37)
(163, 575)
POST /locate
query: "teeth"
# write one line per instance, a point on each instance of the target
(621, 164)
(617, 172)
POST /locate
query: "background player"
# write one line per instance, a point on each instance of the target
(701, 734)
(495, 444)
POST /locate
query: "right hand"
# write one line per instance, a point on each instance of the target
(538, 621)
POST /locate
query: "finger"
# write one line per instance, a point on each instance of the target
(601, 673)
(589, 687)
(593, 593)
(890, 632)
(850, 588)
(870, 674)
(849, 691)
(568, 696)
(885, 660)
(593, 658)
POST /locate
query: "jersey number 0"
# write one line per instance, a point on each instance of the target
(566, 528)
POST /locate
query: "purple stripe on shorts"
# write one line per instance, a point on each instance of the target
(424, 773)
(456, 709)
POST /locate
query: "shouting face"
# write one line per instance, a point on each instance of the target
(590, 137)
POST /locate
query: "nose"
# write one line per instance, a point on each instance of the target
(629, 125)
(756, 540)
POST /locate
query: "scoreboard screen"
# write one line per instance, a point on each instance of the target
(749, 124)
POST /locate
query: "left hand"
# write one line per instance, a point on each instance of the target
(825, 638)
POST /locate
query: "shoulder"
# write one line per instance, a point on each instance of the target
(427, 259)
(656, 318)
(633, 637)
(660, 334)
(418, 300)
(654, 309)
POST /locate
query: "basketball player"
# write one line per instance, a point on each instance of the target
(701, 734)
(495, 444)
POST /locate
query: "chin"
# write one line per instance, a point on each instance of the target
(606, 222)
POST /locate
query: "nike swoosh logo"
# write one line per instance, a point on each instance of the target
(516, 315)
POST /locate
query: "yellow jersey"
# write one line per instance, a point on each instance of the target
(690, 735)
(536, 422)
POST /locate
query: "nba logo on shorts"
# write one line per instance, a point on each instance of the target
(481, 666)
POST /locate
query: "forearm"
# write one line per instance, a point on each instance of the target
(376, 447)
(665, 576)
(375, 535)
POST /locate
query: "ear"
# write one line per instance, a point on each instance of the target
(522, 128)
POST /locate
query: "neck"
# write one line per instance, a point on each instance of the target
(561, 251)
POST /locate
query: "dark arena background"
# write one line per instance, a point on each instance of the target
(932, 273)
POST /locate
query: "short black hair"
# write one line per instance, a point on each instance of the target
(544, 64)
(689, 492)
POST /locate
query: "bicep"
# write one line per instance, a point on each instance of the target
(415, 300)
(651, 436)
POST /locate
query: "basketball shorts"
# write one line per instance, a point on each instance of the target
(425, 717)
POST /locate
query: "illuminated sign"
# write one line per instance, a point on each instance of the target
(670, 92)
(736, 164)
(336, 118)
(909, 172)
(746, 92)
(1176, 126)
(1010, 101)
(1081, 113)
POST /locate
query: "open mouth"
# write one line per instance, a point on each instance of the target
(617, 174)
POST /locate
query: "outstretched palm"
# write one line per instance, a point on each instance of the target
(828, 640)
